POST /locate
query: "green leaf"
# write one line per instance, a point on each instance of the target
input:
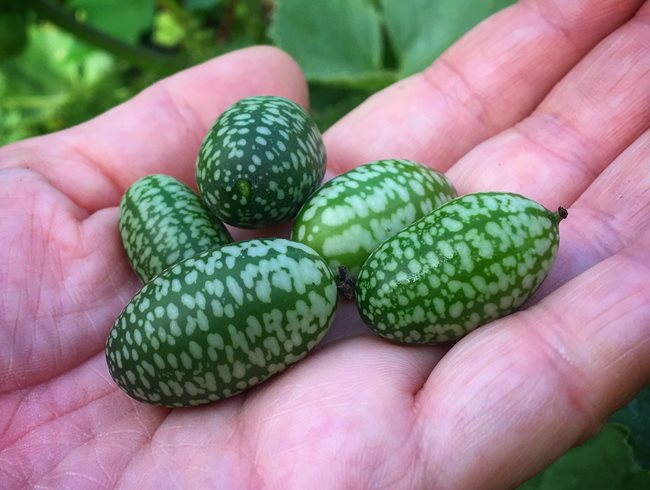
(125, 20)
(52, 62)
(333, 40)
(167, 30)
(420, 30)
(602, 463)
(53, 70)
(201, 4)
(634, 420)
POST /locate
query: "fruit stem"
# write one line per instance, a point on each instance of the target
(345, 283)
(562, 213)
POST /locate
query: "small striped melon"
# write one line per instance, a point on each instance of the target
(349, 216)
(162, 221)
(260, 161)
(216, 324)
(474, 259)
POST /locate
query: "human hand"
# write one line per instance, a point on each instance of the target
(359, 412)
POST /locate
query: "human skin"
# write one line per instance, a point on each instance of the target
(547, 98)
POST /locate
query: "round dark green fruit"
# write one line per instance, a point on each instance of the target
(474, 259)
(260, 161)
(349, 216)
(162, 221)
(213, 325)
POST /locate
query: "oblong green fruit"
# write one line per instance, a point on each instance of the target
(215, 324)
(472, 260)
(349, 216)
(260, 161)
(162, 221)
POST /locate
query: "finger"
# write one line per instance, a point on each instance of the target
(79, 279)
(540, 380)
(606, 217)
(351, 405)
(483, 84)
(592, 115)
(338, 403)
(158, 131)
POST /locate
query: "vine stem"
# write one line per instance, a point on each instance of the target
(138, 55)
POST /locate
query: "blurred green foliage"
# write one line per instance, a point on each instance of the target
(65, 61)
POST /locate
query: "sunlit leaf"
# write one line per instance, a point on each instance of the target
(35, 86)
(167, 30)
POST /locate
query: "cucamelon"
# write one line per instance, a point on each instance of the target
(162, 221)
(474, 259)
(349, 216)
(260, 161)
(213, 325)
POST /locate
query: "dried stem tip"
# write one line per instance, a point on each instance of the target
(345, 283)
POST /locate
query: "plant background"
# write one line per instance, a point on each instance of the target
(65, 61)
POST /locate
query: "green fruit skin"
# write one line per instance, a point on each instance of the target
(472, 260)
(215, 324)
(162, 221)
(259, 162)
(349, 216)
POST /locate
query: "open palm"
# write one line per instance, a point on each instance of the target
(547, 98)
